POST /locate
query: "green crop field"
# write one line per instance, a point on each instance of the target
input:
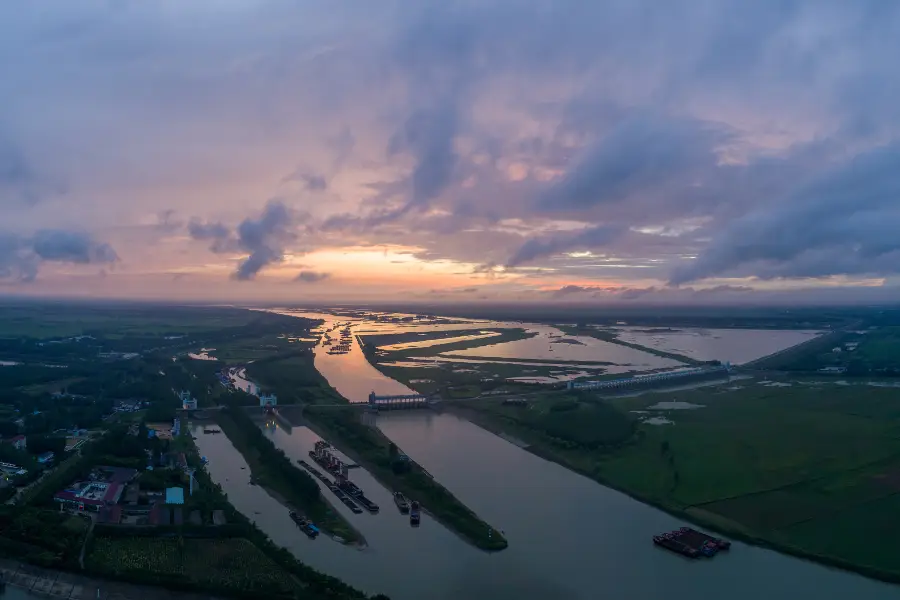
(808, 466)
(228, 563)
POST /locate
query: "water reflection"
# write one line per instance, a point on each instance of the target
(734, 345)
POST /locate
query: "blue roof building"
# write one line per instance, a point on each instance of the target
(174, 495)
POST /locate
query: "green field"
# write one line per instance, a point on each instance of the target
(221, 563)
(293, 377)
(567, 420)
(812, 468)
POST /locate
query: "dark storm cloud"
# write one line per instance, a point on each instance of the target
(311, 276)
(21, 257)
(640, 153)
(537, 248)
(428, 136)
(262, 238)
(71, 246)
(843, 222)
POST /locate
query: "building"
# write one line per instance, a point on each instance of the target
(187, 403)
(18, 442)
(174, 495)
(102, 490)
(176, 428)
(268, 400)
(46, 457)
(91, 495)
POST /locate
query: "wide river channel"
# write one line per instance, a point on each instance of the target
(569, 537)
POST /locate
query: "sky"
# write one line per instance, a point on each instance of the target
(611, 151)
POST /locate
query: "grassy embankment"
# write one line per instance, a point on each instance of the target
(505, 335)
(811, 469)
(273, 471)
(370, 448)
(610, 336)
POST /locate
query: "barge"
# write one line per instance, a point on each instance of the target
(305, 525)
(414, 516)
(691, 543)
(348, 502)
(669, 542)
(401, 502)
(695, 538)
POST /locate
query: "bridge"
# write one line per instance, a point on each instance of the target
(377, 402)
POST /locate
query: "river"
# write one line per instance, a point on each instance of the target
(569, 537)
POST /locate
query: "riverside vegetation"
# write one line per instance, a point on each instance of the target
(368, 446)
(272, 469)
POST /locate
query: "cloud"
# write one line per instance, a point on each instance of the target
(71, 246)
(534, 249)
(207, 231)
(641, 153)
(311, 276)
(429, 136)
(842, 222)
(262, 238)
(493, 132)
(21, 257)
(311, 181)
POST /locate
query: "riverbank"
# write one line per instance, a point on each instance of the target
(503, 336)
(287, 483)
(797, 510)
(379, 456)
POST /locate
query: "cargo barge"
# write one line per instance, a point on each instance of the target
(414, 516)
(401, 502)
(332, 487)
(336, 467)
(668, 542)
(305, 525)
(695, 538)
(690, 542)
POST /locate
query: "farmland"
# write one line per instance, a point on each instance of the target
(805, 466)
(217, 563)
(569, 420)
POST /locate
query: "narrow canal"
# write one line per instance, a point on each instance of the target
(570, 538)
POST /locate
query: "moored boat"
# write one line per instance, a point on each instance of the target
(305, 525)
(414, 517)
(401, 502)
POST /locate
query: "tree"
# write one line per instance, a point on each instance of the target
(38, 444)
(8, 429)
